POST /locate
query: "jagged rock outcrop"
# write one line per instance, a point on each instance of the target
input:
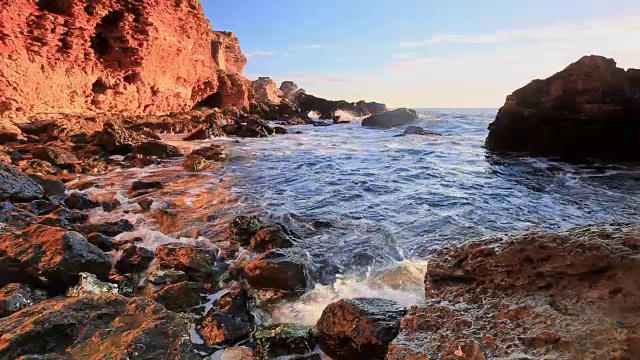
(570, 295)
(265, 90)
(589, 109)
(71, 56)
(290, 91)
(391, 119)
(326, 109)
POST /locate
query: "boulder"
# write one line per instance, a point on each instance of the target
(228, 321)
(285, 270)
(134, 259)
(104, 326)
(9, 132)
(146, 185)
(212, 152)
(204, 133)
(90, 285)
(55, 155)
(568, 295)
(80, 201)
(242, 228)
(15, 297)
(158, 149)
(48, 256)
(112, 228)
(280, 130)
(40, 207)
(101, 241)
(195, 163)
(588, 110)
(182, 296)
(17, 186)
(272, 237)
(198, 263)
(266, 91)
(391, 119)
(417, 130)
(252, 127)
(64, 218)
(233, 353)
(51, 187)
(360, 328)
(166, 276)
(283, 340)
(117, 139)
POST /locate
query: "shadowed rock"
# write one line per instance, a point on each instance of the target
(391, 119)
(17, 186)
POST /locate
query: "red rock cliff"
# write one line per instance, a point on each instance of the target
(129, 56)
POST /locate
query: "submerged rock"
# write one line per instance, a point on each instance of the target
(359, 328)
(391, 119)
(48, 256)
(105, 326)
(195, 163)
(15, 297)
(286, 270)
(417, 130)
(158, 149)
(589, 109)
(17, 186)
(571, 295)
(283, 340)
(90, 285)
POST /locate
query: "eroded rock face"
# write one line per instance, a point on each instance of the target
(105, 326)
(47, 256)
(589, 109)
(69, 56)
(265, 90)
(391, 119)
(570, 295)
(359, 328)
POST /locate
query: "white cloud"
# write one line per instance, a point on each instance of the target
(251, 54)
(406, 55)
(304, 46)
(558, 32)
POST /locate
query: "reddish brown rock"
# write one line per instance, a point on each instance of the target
(197, 262)
(589, 109)
(265, 90)
(571, 295)
(284, 270)
(105, 326)
(119, 56)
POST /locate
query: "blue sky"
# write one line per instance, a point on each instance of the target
(425, 53)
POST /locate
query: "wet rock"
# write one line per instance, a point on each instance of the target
(280, 130)
(141, 161)
(233, 353)
(40, 207)
(15, 297)
(228, 321)
(242, 228)
(588, 110)
(117, 139)
(17, 186)
(90, 285)
(158, 149)
(51, 187)
(15, 217)
(205, 133)
(146, 185)
(101, 241)
(391, 119)
(113, 228)
(417, 130)
(252, 127)
(197, 262)
(47, 256)
(110, 205)
(285, 270)
(283, 340)
(9, 132)
(56, 156)
(64, 218)
(213, 152)
(195, 163)
(359, 328)
(181, 296)
(145, 204)
(105, 326)
(37, 166)
(166, 276)
(273, 237)
(569, 295)
(80, 201)
(134, 259)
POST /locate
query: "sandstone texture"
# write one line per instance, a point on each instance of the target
(266, 90)
(591, 109)
(570, 295)
(70, 56)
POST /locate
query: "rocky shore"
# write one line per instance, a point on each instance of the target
(87, 89)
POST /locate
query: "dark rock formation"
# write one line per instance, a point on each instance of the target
(48, 256)
(195, 163)
(146, 185)
(197, 262)
(166, 276)
(112, 228)
(15, 297)
(181, 296)
(283, 340)
(17, 186)
(134, 259)
(286, 270)
(101, 241)
(228, 321)
(327, 108)
(118, 139)
(212, 152)
(417, 130)
(55, 155)
(588, 110)
(105, 326)
(571, 295)
(391, 119)
(359, 328)
(158, 149)
(80, 201)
